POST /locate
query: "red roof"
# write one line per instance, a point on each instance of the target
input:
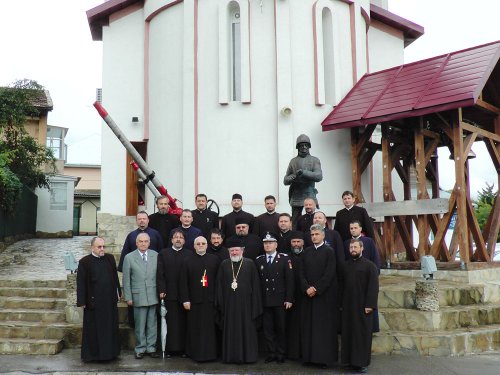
(432, 85)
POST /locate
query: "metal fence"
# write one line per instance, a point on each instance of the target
(23, 220)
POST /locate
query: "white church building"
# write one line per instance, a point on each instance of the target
(213, 93)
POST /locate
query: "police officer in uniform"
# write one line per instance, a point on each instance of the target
(277, 282)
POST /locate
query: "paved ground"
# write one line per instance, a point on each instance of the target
(68, 361)
(42, 259)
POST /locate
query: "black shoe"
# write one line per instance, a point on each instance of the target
(269, 359)
(139, 355)
(363, 370)
(154, 355)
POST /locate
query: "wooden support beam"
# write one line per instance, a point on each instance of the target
(430, 149)
(489, 107)
(355, 163)
(388, 225)
(443, 226)
(364, 139)
(401, 172)
(492, 227)
(480, 253)
(480, 131)
(366, 158)
(420, 164)
(468, 141)
(460, 187)
(494, 152)
(411, 253)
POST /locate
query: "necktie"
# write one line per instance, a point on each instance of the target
(144, 257)
(269, 259)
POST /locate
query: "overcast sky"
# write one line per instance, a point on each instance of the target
(49, 41)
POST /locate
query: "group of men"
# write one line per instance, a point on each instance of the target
(302, 286)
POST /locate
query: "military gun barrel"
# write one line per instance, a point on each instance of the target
(150, 174)
(145, 180)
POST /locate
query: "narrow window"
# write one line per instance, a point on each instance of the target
(235, 50)
(328, 56)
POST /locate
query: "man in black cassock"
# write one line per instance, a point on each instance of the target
(215, 246)
(349, 213)
(251, 242)
(285, 225)
(204, 218)
(268, 221)
(197, 293)
(318, 280)
(239, 304)
(167, 279)
(162, 221)
(305, 221)
(98, 291)
(359, 301)
(293, 322)
(370, 250)
(332, 238)
(227, 224)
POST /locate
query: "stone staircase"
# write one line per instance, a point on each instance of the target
(467, 322)
(32, 316)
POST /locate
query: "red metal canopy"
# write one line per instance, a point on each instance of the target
(432, 85)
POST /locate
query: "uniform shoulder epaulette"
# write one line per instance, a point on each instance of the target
(283, 254)
(260, 256)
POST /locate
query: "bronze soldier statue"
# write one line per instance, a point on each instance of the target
(303, 172)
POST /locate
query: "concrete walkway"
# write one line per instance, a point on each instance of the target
(42, 259)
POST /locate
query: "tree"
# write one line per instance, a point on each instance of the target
(484, 204)
(22, 158)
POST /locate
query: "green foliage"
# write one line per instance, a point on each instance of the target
(484, 204)
(22, 159)
(10, 186)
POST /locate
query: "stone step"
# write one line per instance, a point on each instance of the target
(441, 343)
(30, 346)
(403, 296)
(446, 319)
(32, 283)
(32, 315)
(33, 292)
(32, 303)
(73, 336)
(32, 330)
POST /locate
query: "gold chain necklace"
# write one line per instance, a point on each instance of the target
(234, 284)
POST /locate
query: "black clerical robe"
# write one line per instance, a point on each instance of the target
(205, 220)
(305, 221)
(293, 319)
(344, 217)
(360, 291)
(221, 252)
(197, 286)
(228, 222)
(164, 223)
(319, 314)
(239, 309)
(98, 289)
(266, 222)
(284, 242)
(167, 280)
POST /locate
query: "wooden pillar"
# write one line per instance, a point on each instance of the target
(356, 163)
(460, 188)
(422, 224)
(387, 191)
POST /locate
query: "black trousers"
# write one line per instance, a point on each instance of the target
(273, 322)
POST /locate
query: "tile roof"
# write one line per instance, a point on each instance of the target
(440, 83)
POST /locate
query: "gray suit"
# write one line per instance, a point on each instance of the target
(139, 285)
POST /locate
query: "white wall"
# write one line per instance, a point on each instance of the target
(242, 148)
(55, 215)
(386, 46)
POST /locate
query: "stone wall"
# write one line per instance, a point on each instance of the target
(114, 229)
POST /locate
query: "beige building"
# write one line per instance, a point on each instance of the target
(87, 198)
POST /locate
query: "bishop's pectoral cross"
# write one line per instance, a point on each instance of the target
(204, 280)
